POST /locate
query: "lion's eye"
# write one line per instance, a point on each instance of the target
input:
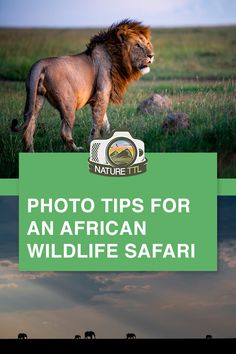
(138, 45)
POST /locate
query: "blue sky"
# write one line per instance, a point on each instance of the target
(157, 304)
(93, 13)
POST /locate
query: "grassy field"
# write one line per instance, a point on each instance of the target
(194, 67)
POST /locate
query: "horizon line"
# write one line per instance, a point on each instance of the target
(106, 26)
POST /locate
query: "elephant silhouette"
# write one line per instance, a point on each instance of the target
(22, 336)
(130, 336)
(208, 336)
(77, 336)
(89, 334)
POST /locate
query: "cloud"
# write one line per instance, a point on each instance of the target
(8, 286)
(227, 253)
(135, 288)
(117, 277)
(9, 271)
(6, 263)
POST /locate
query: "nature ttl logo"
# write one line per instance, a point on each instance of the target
(119, 155)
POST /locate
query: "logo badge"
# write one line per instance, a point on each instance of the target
(120, 155)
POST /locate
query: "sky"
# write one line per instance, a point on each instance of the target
(152, 305)
(94, 13)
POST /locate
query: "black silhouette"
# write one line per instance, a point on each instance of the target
(130, 336)
(22, 336)
(208, 336)
(89, 334)
(77, 336)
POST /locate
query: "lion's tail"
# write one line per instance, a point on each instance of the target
(31, 93)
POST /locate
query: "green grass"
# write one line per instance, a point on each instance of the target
(203, 53)
(194, 67)
(212, 111)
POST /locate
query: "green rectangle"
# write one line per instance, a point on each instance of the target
(227, 186)
(171, 175)
(9, 187)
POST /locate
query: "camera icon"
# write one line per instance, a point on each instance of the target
(119, 152)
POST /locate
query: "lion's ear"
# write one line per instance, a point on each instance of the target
(122, 34)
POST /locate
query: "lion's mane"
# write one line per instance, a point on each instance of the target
(121, 72)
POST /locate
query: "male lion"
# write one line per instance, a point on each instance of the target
(101, 73)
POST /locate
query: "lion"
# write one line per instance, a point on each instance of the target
(100, 74)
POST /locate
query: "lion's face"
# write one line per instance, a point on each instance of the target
(136, 42)
(141, 54)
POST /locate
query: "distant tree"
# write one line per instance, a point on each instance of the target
(22, 336)
(89, 334)
(77, 336)
(130, 336)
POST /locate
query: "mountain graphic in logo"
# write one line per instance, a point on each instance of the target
(120, 155)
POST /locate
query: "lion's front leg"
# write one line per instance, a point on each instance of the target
(99, 130)
(101, 124)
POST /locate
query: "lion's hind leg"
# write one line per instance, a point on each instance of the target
(67, 124)
(105, 126)
(101, 125)
(28, 136)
